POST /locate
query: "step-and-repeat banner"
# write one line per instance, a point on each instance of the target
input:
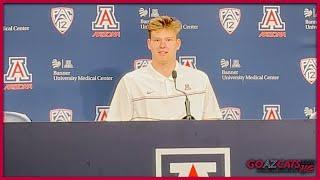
(63, 62)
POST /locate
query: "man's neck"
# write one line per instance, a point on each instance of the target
(164, 68)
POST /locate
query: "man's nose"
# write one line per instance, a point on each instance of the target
(163, 44)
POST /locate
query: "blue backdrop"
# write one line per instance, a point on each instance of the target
(62, 62)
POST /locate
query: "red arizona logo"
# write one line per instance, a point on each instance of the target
(189, 61)
(101, 113)
(271, 112)
(17, 76)
(193, 162)
(271, 25)
(105, 25)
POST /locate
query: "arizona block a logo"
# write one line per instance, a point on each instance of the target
(105, 24)
(193, 162)
(271, 25)
(101, 113)
(18, 76)
(188, 61)
(271, 112)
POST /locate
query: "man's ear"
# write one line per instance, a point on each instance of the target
(148, 43)
(178, 43)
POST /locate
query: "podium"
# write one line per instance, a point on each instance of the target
(161, 148)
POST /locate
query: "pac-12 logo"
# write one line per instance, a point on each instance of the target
(140, 63)
(101, 113)
(17, 76)
(62, 18)
(231, 113)
(105, 24)
(193, 162)
(271, 112)
(61, 115)
(230, 19)
(271, 25)
(308, 68)
(188, 61)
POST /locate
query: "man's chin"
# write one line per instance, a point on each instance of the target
(163, 59)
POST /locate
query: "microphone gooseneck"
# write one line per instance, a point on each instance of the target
(187, 102)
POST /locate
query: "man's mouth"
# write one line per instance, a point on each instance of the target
(162, 52)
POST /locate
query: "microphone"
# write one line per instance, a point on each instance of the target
(186, 102)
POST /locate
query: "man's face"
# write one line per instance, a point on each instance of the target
(163, 45)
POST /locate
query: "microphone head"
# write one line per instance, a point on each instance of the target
(174, 74)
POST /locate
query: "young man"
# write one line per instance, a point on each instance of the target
(149, 93)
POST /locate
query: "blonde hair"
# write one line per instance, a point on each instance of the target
(164, 22)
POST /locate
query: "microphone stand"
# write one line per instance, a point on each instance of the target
(186, 102)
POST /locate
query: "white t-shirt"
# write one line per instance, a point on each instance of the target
(145, 94)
